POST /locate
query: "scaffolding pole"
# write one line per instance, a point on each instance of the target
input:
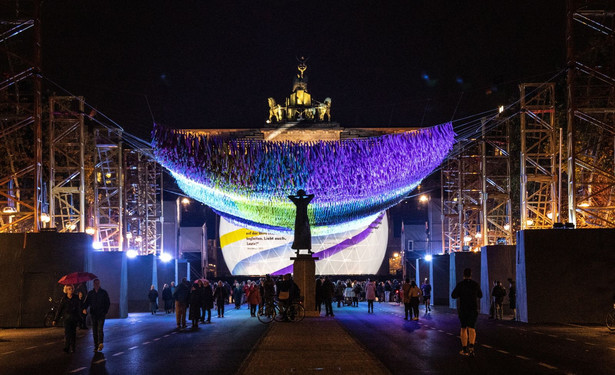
(590, 42)
(538, 156)
(66, 164)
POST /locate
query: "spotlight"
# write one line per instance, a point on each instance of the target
(529, 222)
(506, 226)
(467, 238)
(128, 235)
(478, 235)
(185, 201)
(97, 245)
(45, 218)
(132, 253)
(166, 257)
(501, 109)
(90, 230)
(428, 257)
(423, 198)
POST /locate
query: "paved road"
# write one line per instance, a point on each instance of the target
(145, 344)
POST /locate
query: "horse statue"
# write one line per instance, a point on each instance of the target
(275, 110)
(324, 110)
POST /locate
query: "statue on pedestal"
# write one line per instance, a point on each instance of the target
(303, 236)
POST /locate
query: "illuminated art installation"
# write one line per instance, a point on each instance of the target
(355, 252)
(248, 181)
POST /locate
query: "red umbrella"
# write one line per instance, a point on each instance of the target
(76, 278)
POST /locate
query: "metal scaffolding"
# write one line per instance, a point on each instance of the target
(66, 164)
(109, 189)
(21, 172)
(143, 185)
(497, 208)
(591, 110)
(538, 156)
(475, 183)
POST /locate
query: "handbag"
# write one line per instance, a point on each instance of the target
(284, 295)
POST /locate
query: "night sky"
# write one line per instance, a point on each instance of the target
(213, 64)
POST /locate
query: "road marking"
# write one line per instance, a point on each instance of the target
(569, 339)
(12, 351)
(502, 351)
(440, 331)
(553, 336)
(132, 348)
(547, 366)
(522, 357)
(522, 329)
(118, 353)
(147, 342)
(49, 343)
(589, 343)
(539, 333)
(157, 338)
(450, 334)
(99, 361)
(166, 336)
(32, 347)
(487, 346)
(78, 369)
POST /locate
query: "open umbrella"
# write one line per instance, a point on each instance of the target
(76, 278)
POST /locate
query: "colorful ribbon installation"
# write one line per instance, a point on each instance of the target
(248, 181)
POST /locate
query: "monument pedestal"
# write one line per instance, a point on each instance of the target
(304, 274)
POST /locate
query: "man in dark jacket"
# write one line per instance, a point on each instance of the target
(181, 296)
(327, 296)
(498, 293)
(98, 302)
(468, 291)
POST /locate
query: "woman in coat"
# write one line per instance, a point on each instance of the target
(254, 298)
(167, 297)
(196, 296)
(370, 295)
(69, 310)
(208, 301)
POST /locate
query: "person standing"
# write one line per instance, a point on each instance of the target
(208, 301)
(237, 294)
(426, 290)
(254, 298)
(319, 295)
(327, 296)
(414, 294)
(498, 293)
(181, 296)
(339, 293)
(167, 297)
(153, 299)
(512, 298)
(69, 311)
(220, 296)
(468, 293)
(173, 289)
(98, 302)
(405, 295)
(82, 316)
(370, 295)
(196, 297)
(387, 291)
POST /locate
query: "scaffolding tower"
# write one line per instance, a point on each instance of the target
(143, 185)
(538, 156)
(590, 43)
(108, 189)
(66, 164)
(21, 172)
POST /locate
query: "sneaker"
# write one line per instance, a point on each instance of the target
(100, 347)
(464, 352)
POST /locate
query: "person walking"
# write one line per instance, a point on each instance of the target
(173, 289)
(167, 297)
(426, 291)
(356, 293)
(195, 300)
(339, 293)
(414, 292)
(82, 316)
(468, 293)
(98, 302)
(69, 311)
(208, 302)
(405, 296)
(254, 298)
(237, 294)
(318, 296)
(220, 296)
(181, 297)
(153, 300)
(498, 293)
(512, 298)
(370, 295)
(327, 296)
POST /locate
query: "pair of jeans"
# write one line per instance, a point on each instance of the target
(97, 330)
(180, 313)
(70, 333)
(414, 302)
(370, 305)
